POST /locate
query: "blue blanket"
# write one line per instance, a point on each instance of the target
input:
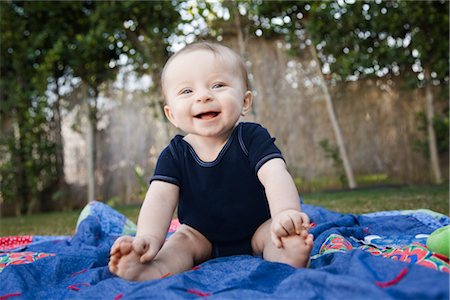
(374, 256)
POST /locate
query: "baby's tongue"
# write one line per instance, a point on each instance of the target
(208, 115)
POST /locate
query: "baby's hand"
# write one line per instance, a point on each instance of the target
(289, 222)
(146, 247)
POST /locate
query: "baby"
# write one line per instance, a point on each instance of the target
(228, 179)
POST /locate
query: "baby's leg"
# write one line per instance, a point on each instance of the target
(184, 249)
(295, 251)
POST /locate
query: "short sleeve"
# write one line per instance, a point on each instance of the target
(258, 144)
(166, 167)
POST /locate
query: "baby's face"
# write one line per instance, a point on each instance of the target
(205, 93)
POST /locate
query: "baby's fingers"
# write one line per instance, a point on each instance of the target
(298, 225)
(140, 245)
(305, 219)
(282, 229)
(301, 224)
(149, 255)
(145, 249)
(277, 232)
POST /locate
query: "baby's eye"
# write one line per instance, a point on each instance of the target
(185, 91)
(218, 85)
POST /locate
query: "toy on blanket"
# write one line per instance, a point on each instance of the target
(439, 241)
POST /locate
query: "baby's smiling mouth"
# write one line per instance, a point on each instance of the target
(207, 115)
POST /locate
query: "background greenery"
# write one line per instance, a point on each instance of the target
(46, 47)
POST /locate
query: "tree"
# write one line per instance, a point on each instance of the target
(89, 55)
(65, 41)
(67, 44)
(56, 24)
(91, 47)
(387, 38)
(27, 149)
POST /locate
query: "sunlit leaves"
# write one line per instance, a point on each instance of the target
(378, 38)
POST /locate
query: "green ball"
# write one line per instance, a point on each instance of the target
(439, 241)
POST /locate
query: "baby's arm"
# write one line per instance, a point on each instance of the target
(153, 222)
(154, 218)
(284, 204)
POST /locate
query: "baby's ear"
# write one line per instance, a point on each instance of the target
(169, 115)
(247, 105)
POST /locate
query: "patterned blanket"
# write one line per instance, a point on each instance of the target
(375, 256)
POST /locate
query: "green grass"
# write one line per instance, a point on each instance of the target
(332, 182)
(55, 223)
(358, 201)
(435, 198)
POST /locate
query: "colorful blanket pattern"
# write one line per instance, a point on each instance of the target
(111, 221)
(11, 242)
(415, 253)
(20, 258)
(342, 243)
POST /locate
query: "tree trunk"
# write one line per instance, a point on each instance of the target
(335, 124)
(90, 159)
(32, 205)
(58, 138)
(21, 153)
(19, 161)
(432, 143)
(238, 26)
(90, 143)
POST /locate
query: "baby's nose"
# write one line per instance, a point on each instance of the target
(204, 95)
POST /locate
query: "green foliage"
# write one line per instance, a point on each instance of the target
(358, 38)
(27, 149)
(376, 38)
(113, 201)
(332, 152)
(45, 42)
(143, 184)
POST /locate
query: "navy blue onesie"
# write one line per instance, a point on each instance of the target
(222, 199)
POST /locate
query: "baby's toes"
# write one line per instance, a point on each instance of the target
(304, 234)
(309, 241)
(125, 248)
(112, 267)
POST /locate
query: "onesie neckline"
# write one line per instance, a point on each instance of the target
(219, 156)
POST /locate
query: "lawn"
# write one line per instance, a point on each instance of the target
(357, 202)
(362, 201)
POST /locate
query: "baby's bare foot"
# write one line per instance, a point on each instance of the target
(130, 268)
(121, 247)
(306, 252)
(297, 250)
